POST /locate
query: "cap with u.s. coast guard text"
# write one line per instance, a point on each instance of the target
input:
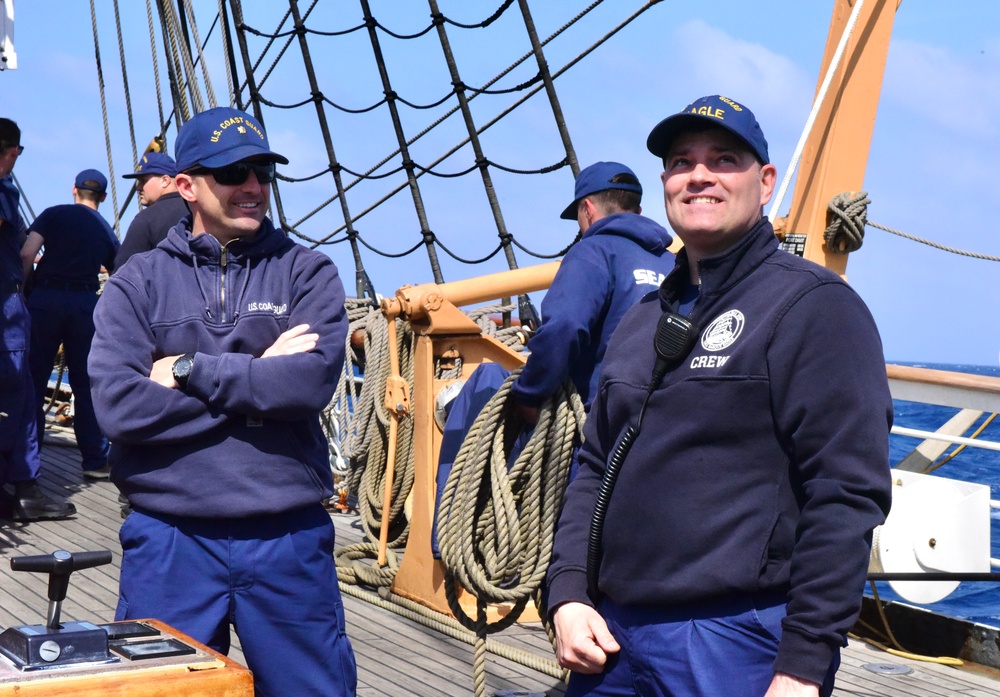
(153, 163)
(220, 137)
(722, 111)
(91, 180)
(600, 176)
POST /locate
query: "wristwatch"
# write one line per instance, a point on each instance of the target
(182, 369)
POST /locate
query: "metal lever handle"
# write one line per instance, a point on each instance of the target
(59, 565)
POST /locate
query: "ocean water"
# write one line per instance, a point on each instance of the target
(977, 601)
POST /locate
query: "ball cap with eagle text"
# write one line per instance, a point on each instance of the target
(600, 176)
(220, 137)
(718, 110)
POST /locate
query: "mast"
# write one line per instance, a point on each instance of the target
(836, 153)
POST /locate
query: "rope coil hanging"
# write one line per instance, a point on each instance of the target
(496, 525)
(846, 231)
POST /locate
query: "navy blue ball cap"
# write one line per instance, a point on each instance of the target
(600, 176)
(92, 180)
(722, 111)
(153, 163)
(220, 137)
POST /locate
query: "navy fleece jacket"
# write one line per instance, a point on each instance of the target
(620, 258)
(244, 437)
(762, 461)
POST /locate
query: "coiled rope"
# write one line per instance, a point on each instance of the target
(846, 231)
(496, 526)
(520, 550)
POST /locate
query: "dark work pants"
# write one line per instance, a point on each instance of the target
(725, 648)
(18, 438)
(271, 576)
(67, 317)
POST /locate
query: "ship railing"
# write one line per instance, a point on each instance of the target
(973, 394)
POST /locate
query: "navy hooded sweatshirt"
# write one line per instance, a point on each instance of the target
(244, 437)
(619, 259)
(762, 461)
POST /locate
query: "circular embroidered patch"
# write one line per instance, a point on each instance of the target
(723, 331)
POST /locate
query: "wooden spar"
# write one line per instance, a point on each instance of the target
(432, 308)
(441, 327)
(836, 152)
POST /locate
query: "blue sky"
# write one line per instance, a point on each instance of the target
(930, 171)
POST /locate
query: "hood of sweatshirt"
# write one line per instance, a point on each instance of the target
(647, 233)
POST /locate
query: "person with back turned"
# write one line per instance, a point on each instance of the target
(745, 410)
(78, 243)
(214, 355)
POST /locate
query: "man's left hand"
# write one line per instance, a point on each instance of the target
(162, 372)
(787, 686)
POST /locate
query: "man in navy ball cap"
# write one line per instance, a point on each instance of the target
(621, 256)
(215, 354)
(78, 243)
(735, 460)
(164, 207)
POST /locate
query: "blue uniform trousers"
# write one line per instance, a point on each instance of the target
(67, 317)
(702, 650)
(18, 435)
(272, 576)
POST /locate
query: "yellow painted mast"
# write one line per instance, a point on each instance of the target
(836, 153)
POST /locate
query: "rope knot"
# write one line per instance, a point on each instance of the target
(849, 214)
(429, 237)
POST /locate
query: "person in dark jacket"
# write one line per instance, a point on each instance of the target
(164, 207)
(19, 460)
(214, 356)
(620, 257)
(734, 549)
(78, 243)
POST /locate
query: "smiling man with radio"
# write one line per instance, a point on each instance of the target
(716, 538)
(213, 357)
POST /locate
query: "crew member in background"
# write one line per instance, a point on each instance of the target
(620, 257)
(164, 207)
(735, 545)
(78, 243)
(214, 355)
(19, 461)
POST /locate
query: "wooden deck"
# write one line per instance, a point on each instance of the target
(396, 656)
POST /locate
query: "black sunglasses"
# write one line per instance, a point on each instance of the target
(236, 174)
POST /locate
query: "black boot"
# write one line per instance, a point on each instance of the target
(31, 503)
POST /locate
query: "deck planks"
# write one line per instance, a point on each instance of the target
(396, 657)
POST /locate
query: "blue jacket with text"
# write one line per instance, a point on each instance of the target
(244, 437)
(620, 258)
(762, 463)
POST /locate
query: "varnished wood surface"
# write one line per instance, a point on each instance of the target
(396, 657)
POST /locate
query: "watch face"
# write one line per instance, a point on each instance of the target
(182, 368)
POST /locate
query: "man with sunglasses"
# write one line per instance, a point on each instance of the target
(164, 207)
(19, 461)
(214, 355)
